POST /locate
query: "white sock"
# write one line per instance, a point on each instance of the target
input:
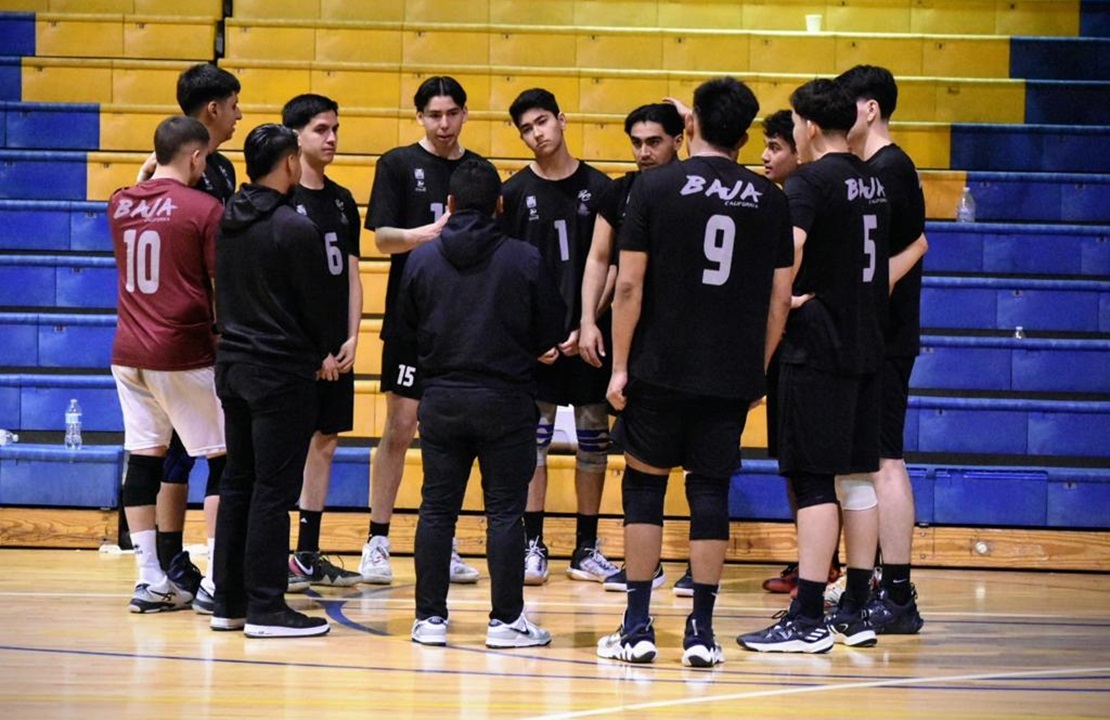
(209, 583)
(146, 557)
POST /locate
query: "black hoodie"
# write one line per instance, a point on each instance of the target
(480, 305)
(270, 284)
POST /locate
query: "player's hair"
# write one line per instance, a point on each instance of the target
(475, 185)
(870, 82)
(299, 111)
(266, 146)
(174, 133)
(533, 99)
(434, 87)
(201, 84)
(725, 108)
(824, 102)
(781, 125)
(663, 113)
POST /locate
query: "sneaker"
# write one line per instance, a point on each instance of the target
(321, 571)
(374, 566)
(165, 596)
(836, 577)
(889, 618)
(517, 634)
(285, 623)
(792, 633)
(684, 586)
(634, 646)
(297, 582)
(204, 603)
(851, 629)
(223, 624)
(535, 563)
(183, 573)
(461, 573)
(618, 582)
(700, 647)
(430, 631)
(785, 582)
(834, 591)
(587, 563)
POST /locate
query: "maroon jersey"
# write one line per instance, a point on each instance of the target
(164, 237)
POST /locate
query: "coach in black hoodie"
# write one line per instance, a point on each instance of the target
(482, 310)
(270, 302)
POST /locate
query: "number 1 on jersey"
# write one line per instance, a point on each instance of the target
(437, 211)
(564, 241)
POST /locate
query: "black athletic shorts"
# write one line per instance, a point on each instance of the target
(894, 383)
(669, 428)
(572, 381)
(336, 404)
(827, 423)
(399, 372)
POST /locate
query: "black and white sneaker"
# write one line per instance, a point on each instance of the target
(284, 623)
(636, 645)
(517, 634)
(588, 563)
(889, 618)
(851, 628)
(618, 582)
(318, 570)
(165, 596)
(792, 633)
(700, 647)
(684, 586)
(204, 603)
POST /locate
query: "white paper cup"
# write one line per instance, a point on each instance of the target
(813, 23)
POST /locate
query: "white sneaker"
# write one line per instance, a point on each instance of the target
(165, 596)
(587, 563)
(461, 572)
(632, 646)
(430, 631)
(535, 563)
(374, 566)
(834, 590)
(222, 624)
(520, 633)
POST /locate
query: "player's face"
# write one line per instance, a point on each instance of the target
(225, 113)
(866, 112)
(542, 131)
(652, 146)
(442, 119)
(779, 159)
(801, 138)
(320, 138)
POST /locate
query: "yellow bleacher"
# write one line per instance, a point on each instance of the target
(195, 8)
(125, 36)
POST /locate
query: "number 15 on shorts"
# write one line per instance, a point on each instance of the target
(406, 375)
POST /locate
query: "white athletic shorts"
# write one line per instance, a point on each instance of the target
(157, 402)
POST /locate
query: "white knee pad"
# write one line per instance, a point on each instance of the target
(856, 492)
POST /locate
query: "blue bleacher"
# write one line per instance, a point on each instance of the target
(349, 487)
(1067, 102)
(48, 175)
(17, 33)
(31, 401)
(979, 303)
(1094, 18)
(63, 281)
(1035, 148)
(51, 126)
(1060, 58)
(11, 78)
(89, 477)
(1040, 197)
(54, 225)
(1000, 248)
(60, 340)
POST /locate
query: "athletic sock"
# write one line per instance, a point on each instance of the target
(639, 604)
(308, 535)
(705, 598)
(146, 557)
(533, 525)
(811, 598)
(585, 533)
(169, 544)
(896, 582)
(378, 529)
(857, 590)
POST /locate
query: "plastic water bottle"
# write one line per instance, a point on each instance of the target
(73, 425)
(7, 437)
(965, 208)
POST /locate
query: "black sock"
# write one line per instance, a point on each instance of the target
(585, 532)
(169, 545)
(811, 598)
(896, 582)
(308, 536)
(639, 604)
(378, 530)
(705, 598)
(858, 589)
(533, 525)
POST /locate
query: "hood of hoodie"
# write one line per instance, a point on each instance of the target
(249, 205)
(468, 238)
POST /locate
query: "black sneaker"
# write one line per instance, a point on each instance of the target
(792, 633)
(618, 582)
(851, 628)
(684, 586)
(320, 571)
(889, 618)
(184, 573)
(636, 645)
(700, 646)
(284, 623)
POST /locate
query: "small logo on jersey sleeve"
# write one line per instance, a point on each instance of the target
(340, 206)
(583, 202)
(533, 211)
(418, 174)
(301, 210)
(867, 188)
(741, 194)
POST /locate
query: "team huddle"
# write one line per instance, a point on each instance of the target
(676, 297)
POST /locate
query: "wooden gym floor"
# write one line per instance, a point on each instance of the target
(996, 644)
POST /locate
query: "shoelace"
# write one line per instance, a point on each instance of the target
(595, 553)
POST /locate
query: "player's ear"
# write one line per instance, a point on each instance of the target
(465, 113)
(500, 209)
(450, 203)
(562, 118)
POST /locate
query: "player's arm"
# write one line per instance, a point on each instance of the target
(307, 267)
(346, 356)
(393, 240)
(595, 280)
(777, 311)
(903, 262)
(796, 301)
(627, 303)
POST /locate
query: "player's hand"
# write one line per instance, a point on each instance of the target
(329, 369)
(569, 347)
(615, 393)
(591, 346)
(549, 357)
(345, 358)
(796, 301)
(683, 108)
(149, 165)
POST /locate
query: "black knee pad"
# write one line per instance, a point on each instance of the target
(642, 495)
(708, 498)
(177, 465)
(812, 489)
(216, 467)
(143, 480)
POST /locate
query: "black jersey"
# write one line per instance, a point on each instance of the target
(907, 221)
(410, 190)
(714, 233)
(219, 178)
(335, 214)
(842, 206)
(555, 216)
(612, 203)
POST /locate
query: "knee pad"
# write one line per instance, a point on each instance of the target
(177, 465)
(593, 449)
(143, 480)
(812, 489)
(708, 498)
(544, 433)
(642, 495)
(856, 492)
(216, 467)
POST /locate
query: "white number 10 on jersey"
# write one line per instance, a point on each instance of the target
(143, 260)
